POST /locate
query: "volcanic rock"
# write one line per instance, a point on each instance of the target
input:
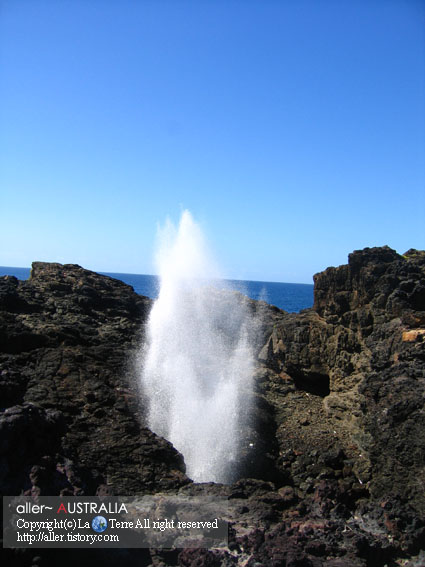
(69, 392)
(346, 380)
(333, 464)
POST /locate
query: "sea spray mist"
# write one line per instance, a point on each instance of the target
(197, 363)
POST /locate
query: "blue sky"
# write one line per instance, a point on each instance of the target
(294, 131)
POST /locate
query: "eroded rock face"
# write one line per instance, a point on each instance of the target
(336, 446)
(71, 397)
(347, 384)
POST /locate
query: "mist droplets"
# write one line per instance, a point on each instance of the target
(198, 362)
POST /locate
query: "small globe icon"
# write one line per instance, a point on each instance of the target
(99, 524)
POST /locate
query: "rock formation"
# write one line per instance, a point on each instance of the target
(334, 467)
(71, 403)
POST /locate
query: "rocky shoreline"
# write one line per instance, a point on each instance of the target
(337, 474)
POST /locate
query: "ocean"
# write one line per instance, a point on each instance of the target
(291, 297)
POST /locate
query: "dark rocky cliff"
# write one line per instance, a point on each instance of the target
(361, 351)
(347, 379)
(339, 415)
(70, 420)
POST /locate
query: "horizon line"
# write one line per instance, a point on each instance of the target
(102, 272)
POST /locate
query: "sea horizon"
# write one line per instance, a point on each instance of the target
(292, 297)
(103, 272)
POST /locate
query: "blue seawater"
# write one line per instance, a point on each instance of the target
(288, 296)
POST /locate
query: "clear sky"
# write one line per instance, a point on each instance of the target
(294, 131)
